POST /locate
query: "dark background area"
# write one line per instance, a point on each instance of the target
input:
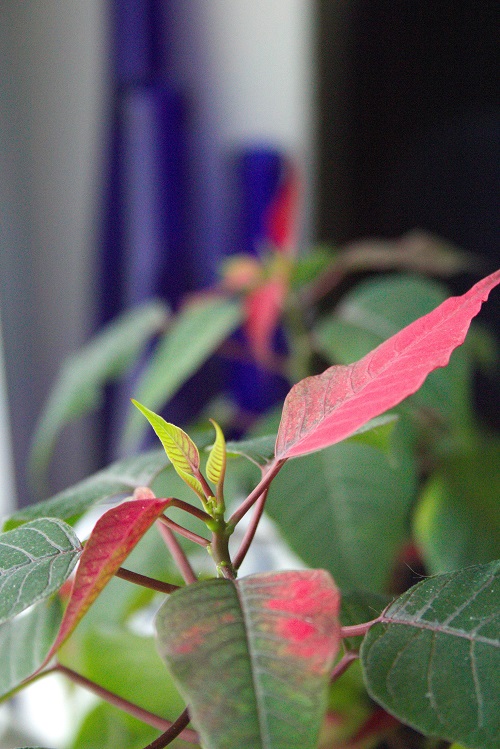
(413, 89)
(412, 92)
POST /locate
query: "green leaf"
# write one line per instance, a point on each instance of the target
(180, 448)
(457, 522)
(216, 463)
(196, 333)
(377, 309)
(377, 432)
(35, 560)
(252, 658)
(107, 727)
(120, 478)
(434, 659)
(346, 509)
(259, 450)
(373, 311)
(78, 388)
(128, 664)
(307, 267)
(25, 642)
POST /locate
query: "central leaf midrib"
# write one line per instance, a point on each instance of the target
(264, 735)
(441, 629)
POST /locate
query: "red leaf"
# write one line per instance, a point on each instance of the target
(322, 410)
(281, 223)
(305, 606)
(377, 724)
(114, 536)
(263, 308)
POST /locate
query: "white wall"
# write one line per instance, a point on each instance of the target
(247, 69)
(52, 61)
(258, 75)
(7, 484)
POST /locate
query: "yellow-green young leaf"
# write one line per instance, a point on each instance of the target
(180, 448)
(192, 482)
(216, 463)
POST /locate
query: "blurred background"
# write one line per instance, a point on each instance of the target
(134, 129)
(139, 139)
(123, 127)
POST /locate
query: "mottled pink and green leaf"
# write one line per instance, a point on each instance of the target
(273, 637)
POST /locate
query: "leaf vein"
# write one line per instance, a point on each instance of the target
(477, 685)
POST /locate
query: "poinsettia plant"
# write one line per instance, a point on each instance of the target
(255, 659)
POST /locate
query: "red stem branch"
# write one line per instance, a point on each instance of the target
(177, 553)
(176, 729)
(206, 489)
(191, 535)
(191, 509)
(347, 659)
(251, 530)
(263, 484)
(151, 719)
(145, 581)
(356, 630)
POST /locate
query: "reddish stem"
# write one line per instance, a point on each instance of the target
(347, 659)
(263, 484)
(251, 530)
(177, 553)
(191, 535)
(206, 489)
(357, 630)
(146, 716)
(191, 509)
(176, 729)
(145, 581)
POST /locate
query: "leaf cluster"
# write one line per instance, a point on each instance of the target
(347, 651)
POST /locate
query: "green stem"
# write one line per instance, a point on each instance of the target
(299, 338)
(219, 549)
